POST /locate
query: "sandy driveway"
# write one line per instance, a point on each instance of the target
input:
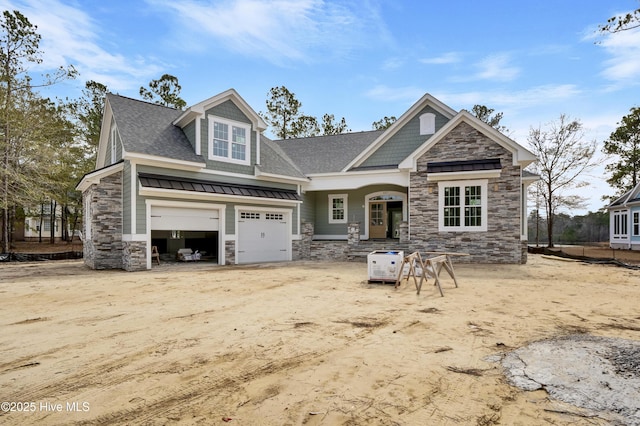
(289, 344)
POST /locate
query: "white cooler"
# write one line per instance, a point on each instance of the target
(384, 265)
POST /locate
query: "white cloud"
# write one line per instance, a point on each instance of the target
(496, 67)
(446, 58)
(68, 37)
(281, 30)
(624, 50)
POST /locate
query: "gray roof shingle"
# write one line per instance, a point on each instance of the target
(147, 128)
(327, 154)
(274, 160)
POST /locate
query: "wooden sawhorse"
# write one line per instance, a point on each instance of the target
(431, 266)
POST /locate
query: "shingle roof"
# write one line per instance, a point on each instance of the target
(148, 180)
(274, 160)
(147, 128)
(326, 154)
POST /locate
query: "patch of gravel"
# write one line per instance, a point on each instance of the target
(600, 374)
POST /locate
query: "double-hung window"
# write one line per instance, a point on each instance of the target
(229, 140)
(462, 206)
(636, 224)
(338, 208)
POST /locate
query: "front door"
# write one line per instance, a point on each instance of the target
(378, 220)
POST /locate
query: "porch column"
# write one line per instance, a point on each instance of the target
(404, 232)
(353, 234)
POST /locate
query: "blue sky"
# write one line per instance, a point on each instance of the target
(361, 60)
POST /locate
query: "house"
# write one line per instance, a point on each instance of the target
(624, 220)
(208, 179)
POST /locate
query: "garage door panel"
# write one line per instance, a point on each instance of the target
(263, 237)
(184, 219)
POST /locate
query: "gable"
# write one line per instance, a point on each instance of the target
(463, 151)
(404, 141)
(464, 131)
(425, 105)
(229, 110)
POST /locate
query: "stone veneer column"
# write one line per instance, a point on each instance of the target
(302, 248)
(353, 234)
(404, 232)
(134, 256)
(104, 250)
(229, 252)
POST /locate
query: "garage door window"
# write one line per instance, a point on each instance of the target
(249, 215)
(274, 216)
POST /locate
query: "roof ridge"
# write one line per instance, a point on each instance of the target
(324, 136)
(142, 101)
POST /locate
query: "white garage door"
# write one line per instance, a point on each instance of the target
(263, 237)
(184, 219)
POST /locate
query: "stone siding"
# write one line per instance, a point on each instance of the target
(501, 243)
(134, 256)
(105, 249)
(229, 252)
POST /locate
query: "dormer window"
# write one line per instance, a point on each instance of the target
(228, 140)
(427, 123)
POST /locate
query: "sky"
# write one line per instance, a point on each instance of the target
(360, 59)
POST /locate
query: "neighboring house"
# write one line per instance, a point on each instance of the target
(208, 179)
(38, 218)
(624, 221)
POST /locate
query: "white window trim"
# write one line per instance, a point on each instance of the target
(231, 123)
(483, 183)
(345, 201)
(635, 220)
(622, 216)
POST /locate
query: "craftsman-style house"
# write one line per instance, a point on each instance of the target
(208, 179)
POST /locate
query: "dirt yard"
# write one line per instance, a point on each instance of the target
(295, 343)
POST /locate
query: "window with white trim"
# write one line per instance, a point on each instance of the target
(636, 224)
(338, 208)
(229, 140)
(462, 206)
(620, 221)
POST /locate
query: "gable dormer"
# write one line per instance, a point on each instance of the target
(225, 131)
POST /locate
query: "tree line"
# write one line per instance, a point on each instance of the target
(46, 145)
